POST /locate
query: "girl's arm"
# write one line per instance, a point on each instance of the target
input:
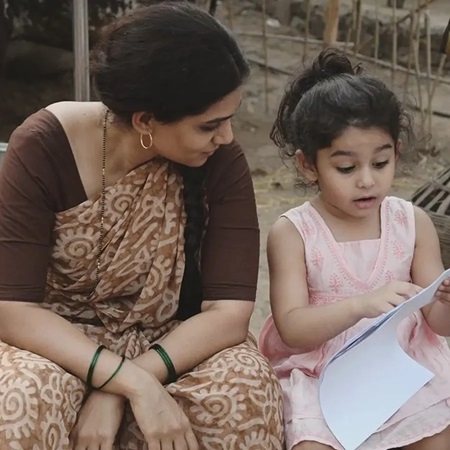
(426, 267)
(299, 324)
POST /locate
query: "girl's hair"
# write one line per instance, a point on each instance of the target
(172, 60)
(330, 96)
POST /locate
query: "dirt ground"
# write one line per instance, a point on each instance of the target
(273, 181)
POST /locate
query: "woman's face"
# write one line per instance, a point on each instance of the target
(192, 140)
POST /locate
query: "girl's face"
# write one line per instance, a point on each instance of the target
(355, 173)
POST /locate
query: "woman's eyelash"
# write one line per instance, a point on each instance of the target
(210, 127)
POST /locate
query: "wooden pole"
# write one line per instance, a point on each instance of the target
(308, 17)
(394, 43)
(399, 21)
(266, 56)
(417, 71)
(429, 118)
(331, 23)
(230, 13)
(81, 50)
(357, 37)
(412, 32)
(283, 11)
(351, 28)
(377, 29)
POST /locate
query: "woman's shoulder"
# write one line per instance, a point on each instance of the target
(42, 122)
(39, 132)
(228, 170)
(39, 149)
(226, 155)
(69, 113)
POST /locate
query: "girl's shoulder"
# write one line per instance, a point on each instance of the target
(398, 202)
(400, 209)
(297, 212)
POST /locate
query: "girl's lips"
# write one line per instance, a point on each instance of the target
(365, 202)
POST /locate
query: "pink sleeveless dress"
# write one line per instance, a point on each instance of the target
(337, 270)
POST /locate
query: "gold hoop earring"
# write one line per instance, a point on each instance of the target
(150, 141)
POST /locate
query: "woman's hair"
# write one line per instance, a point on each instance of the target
(330, 96)
(172, 60)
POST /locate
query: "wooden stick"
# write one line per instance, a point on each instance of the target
(377, 29)
(445, 44)
(360, 56)
(212, 7)
(429, 86)
(442, 61)
(289, 73)
(271, 67)
(331, 23)
(230, 13)
(417, 72)
(266, 57)
(285, 37)
(349, 34)
(412, 30)
(399, 21)
(308, 17)
(358, 27)
(394, 43)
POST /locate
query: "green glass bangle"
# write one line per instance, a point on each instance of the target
(167, 361)
(113, 374)
(93, 364)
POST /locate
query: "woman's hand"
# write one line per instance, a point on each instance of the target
(98, 422)
(383, 299)
(160, 419)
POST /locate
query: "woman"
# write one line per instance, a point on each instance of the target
(127, 223)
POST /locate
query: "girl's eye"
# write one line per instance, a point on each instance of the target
(381, 164)
(345, 169)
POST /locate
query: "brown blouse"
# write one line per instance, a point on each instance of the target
(39, 177)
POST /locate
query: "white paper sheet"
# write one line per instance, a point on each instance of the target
(371, 377)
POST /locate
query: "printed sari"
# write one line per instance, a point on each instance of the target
(232, 399)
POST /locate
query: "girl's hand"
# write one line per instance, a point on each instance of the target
(160, 419)
(98, 422)
(383, 299)
(443, 292)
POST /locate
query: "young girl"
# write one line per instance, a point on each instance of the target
(350, 254)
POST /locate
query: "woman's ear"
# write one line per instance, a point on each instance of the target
(307, 169)
(142, 122)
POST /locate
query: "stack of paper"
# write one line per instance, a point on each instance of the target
(371, 377)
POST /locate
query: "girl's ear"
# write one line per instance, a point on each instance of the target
(307, 169)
